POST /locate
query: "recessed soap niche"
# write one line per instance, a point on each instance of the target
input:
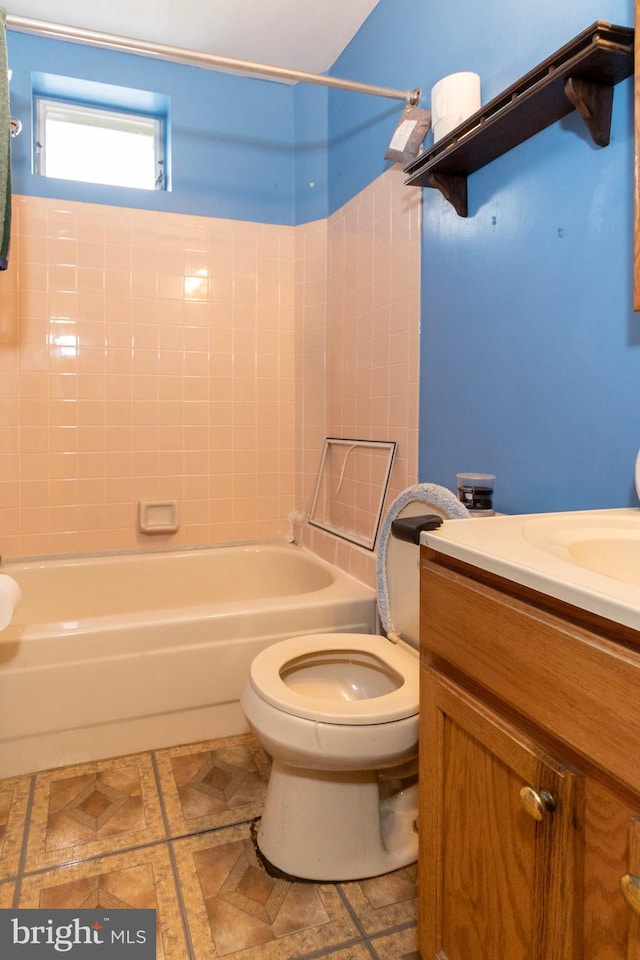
(353, 478)
(158, 516)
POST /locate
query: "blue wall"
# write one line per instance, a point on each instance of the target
(530, 347)
(391, 49)
(311, 154)
(233, 139)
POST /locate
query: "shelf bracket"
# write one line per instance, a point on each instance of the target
(453, 188)
(594, 103)
(580, 76)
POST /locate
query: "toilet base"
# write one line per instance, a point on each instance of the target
(331, 826)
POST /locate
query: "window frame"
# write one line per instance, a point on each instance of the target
(112, 118)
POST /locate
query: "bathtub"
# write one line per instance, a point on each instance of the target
(116, 654)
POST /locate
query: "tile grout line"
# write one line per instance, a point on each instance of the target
(26, 830)
(369, 938)
(181, 903)
(174, 869)
(372, 950)
(381, 934)
(335, 948)
(351, 910)
(160, 792)
(124, 850)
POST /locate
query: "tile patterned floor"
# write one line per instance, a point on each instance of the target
(171, 830)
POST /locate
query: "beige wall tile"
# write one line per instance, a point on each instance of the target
(121, 380)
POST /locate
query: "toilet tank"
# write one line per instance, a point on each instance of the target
(403, 580)
(398, 561)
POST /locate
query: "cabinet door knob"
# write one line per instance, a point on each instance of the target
(537, 803)
(630, 886)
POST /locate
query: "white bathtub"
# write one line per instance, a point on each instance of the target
(110, 655)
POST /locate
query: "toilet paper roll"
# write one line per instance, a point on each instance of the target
(10, 596)
(453, 99)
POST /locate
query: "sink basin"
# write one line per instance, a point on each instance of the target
(619, 559)
(604, 544)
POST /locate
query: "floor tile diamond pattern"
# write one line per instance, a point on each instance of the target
(95, 805)
(250, 889)
(212, 784)
(219, 779)
(171, 830)
(236, 910)
(140, 878)
(90, 809)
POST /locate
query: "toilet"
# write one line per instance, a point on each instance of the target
(338, 713)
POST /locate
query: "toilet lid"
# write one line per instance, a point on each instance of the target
(267, 668)
(398, 562)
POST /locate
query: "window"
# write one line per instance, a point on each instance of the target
(83, 142)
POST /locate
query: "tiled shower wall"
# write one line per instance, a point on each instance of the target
(144, 356)
(359, 343)
(148, 356)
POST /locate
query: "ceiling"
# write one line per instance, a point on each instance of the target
(299, 34)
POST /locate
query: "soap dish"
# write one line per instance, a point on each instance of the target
(158, 516)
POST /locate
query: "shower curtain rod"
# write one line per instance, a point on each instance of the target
(210, 61)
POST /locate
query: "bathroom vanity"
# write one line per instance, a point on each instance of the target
(530, 739)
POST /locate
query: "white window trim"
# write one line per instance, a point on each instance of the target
(90, 115)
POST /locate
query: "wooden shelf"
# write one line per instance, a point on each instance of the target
(580, 76)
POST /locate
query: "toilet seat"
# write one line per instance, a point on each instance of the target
(267, 681)
(398, 574)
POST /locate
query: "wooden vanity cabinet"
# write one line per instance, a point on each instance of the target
(530, 774)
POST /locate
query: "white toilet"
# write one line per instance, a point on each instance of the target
(338, 713)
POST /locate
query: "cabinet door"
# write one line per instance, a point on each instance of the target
(500, 837)
(612, 874)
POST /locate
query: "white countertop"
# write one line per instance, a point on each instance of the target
(539, 551)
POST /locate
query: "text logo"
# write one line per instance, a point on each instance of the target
(78, 934)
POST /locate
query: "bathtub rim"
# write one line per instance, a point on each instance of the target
(343, 586)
